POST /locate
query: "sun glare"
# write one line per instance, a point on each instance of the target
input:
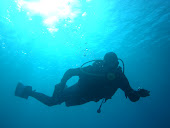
(52, 11)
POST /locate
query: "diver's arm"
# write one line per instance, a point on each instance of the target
(69, 73)
(131, 93)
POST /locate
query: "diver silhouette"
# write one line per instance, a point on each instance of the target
(97, 81)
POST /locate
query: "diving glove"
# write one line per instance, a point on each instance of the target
(143, 92)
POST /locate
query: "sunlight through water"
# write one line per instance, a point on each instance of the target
(52, 11)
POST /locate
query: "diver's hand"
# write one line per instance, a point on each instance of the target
(143, 92)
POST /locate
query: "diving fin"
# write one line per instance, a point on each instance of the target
(23, 91)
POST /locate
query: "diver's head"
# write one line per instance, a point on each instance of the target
(111, 60)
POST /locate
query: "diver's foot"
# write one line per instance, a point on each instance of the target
(23, 91)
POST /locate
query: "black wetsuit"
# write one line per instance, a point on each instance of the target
(90, 87)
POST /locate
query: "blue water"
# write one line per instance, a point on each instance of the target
(37, 47)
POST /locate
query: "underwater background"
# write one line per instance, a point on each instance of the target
(41, 39)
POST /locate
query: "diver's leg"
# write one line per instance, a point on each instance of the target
(26, 91)
(50, 101)
(47, 100)
(58, 90)
(73, 96)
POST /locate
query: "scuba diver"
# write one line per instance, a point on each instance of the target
(97, 81)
